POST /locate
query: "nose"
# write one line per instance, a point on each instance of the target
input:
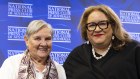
(43, 43)
(97, 28)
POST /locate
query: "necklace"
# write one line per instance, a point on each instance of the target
(104, 53)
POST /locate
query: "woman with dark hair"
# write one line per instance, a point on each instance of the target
(108, 51)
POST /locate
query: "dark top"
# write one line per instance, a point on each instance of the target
(124, 64)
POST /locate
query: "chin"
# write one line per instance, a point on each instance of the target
(98, 41)
(43, 55)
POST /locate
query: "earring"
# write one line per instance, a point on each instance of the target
(87, 42)
(113, 37)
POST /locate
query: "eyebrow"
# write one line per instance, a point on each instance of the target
(98, 21)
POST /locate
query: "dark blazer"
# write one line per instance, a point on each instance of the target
(124, 64)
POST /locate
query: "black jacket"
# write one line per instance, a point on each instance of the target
(124, 64)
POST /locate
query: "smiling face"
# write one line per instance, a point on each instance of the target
(40, 43)
(99, 37)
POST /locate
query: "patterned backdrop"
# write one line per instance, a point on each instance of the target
(63, 15)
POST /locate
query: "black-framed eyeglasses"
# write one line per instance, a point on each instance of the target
(101, 24)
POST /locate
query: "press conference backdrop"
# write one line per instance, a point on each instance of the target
(64, 16)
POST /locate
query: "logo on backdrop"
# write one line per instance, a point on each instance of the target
(135, 36)
(14, 52)
(20, 10)
(59, 12)
(62, 35)
(60, 57)
(132, 17)
(16, 33)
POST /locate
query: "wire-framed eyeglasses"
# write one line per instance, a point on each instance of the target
(101, 24)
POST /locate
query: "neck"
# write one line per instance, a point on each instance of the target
(38, 60)
(102, 50)
(39, 63)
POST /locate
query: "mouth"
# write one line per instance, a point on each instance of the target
(98, 35)
(43, 49)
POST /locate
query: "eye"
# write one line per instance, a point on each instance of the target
(48, 38)
(91, 24)
(103, 23)
(37, 38)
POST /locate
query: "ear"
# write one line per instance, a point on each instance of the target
(26, 40)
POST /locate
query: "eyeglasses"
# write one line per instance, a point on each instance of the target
(101, 24)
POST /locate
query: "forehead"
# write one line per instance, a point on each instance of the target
(45, 31)
(96, 16)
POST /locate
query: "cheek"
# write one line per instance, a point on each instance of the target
(50, 44)
(109, 32)
(89, 35)
(32, 44)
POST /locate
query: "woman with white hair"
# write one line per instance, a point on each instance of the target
(35, 62)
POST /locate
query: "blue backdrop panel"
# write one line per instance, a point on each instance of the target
(64, 15)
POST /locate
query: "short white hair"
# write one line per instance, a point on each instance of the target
(35, 25)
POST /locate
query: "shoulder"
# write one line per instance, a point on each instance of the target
(10, 67)
(79, 54)
(60, 70)
(14, 58)
(58, 66)
(132, 47)
(81, 47)
(133, 44)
